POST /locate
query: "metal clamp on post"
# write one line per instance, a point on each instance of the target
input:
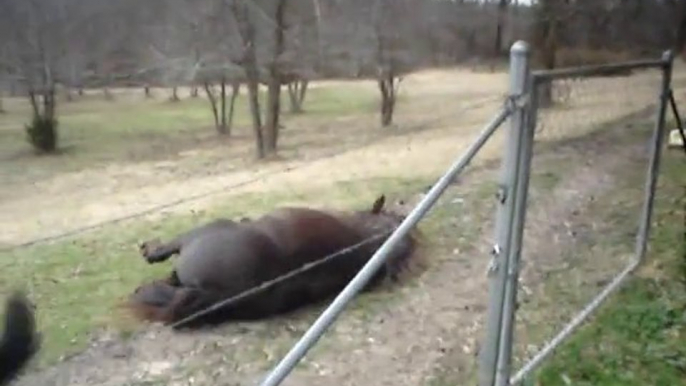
(493, 264)
(492, 368)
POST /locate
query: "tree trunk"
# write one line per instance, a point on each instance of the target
(500, 28)
(222, 125)
(42, 132)
(49, 103)
(256, 115)
(388, 85)
(146, 90)
(545, 45)
(194, 91)
(318, 35)
(275, 79)
(235, 88)
(296, 92)
(272, 117)
(175, 95)
(213, 104)
(2, 105)
(680, 30)
(35, 107)
(246, 29)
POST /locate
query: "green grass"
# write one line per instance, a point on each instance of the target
(639, 336)
(93, 131)
(78, 283)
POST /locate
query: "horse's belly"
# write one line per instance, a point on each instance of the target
(217, 261)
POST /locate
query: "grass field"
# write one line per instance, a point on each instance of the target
(133, 142)
(131, 154)
(639, 336)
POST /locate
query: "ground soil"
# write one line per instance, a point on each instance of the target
(431, 325)
(427, 331)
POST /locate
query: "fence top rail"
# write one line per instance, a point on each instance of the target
(598, 70)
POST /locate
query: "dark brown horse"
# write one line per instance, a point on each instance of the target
(20, 341)
(224, 258)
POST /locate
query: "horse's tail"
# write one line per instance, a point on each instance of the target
(20, 342)
(160, 301)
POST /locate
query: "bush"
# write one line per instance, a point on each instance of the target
(42, 134)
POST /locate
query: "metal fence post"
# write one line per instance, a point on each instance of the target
(525, 118)
(654, 161)
(504, 220)
(328, 317)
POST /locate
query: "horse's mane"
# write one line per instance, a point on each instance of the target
(20, 341)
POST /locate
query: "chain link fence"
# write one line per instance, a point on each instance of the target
(568, 136)
(566, 239)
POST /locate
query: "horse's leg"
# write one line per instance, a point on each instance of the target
(156, 252)
(187, 301)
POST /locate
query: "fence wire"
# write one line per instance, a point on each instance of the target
(586, 197)
(94, 270)
(581, 226)
(147, 204)
(581, 104)
(427, 329)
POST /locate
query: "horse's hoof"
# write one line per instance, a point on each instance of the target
(147, 248)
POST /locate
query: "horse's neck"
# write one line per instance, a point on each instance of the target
(370, 224)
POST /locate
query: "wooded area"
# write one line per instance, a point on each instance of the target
(54, 49)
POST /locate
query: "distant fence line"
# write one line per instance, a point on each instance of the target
(196, 197)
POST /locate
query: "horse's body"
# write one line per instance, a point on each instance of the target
(225, 258)
(19, 342)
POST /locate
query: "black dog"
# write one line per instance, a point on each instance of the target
(20, 341)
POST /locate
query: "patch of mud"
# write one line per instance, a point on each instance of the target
(426, 330)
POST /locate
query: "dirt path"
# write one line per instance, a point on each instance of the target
(447, 108)
(82, 199)
(407, 336)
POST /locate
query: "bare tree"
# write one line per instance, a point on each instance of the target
(216, 82)
(274, 79)
(302, 57)
(545, 41)
(679, 12)
(392, 57)
(500, 27)
(273, 20)
(248, 61)
(35, 40)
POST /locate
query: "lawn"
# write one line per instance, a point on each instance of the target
(78, 284)
(639, 336)
(95, 132)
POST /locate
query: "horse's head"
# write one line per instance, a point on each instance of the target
(382, 215)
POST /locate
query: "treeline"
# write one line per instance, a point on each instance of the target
(218, 46)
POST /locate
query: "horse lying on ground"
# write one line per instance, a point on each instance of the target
(224, 258)
(19, 342)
